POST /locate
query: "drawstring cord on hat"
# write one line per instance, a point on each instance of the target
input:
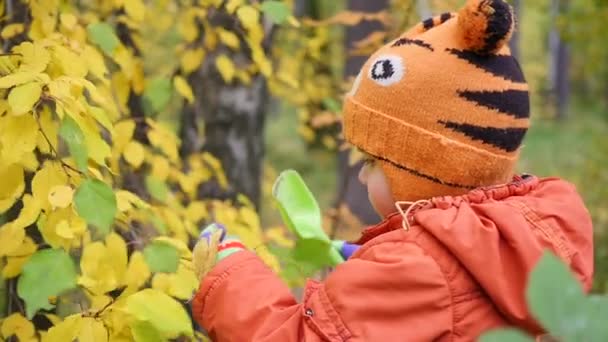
(409, 212)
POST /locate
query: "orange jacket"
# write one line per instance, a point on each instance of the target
(459, 270)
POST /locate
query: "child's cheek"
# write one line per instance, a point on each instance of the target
(379, 192)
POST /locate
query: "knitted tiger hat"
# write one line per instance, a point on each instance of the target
(444, 107)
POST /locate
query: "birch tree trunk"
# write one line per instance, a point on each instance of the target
(231, 117)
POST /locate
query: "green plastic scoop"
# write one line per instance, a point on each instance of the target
(301, 213)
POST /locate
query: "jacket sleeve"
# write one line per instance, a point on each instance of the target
(376, 295)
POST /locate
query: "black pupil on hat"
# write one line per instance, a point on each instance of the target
(383, 69)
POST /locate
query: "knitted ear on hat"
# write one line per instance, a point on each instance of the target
(486, 25)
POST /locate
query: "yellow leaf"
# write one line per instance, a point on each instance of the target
(125, 201)
(161, 282)
(261, 61)
(97, 272)
(183, 283)
(123, 132)
(134, 154)
(196, 211)
(50, 127)
(164, 139)
(229, 39)
(49, 176)
(67, 330)
(34, 57)
(17, 137)
(11, 237)
(172, 320)
(17, 325)
(12, 185)
(126, 60)
(92, 330)
(29, 213)
(187, 26)
(13, 266)
(70, 62)
(27, 248)
(137, 271)
(68, 20)
(160, 168)
(122, 88)
(232, 5)
(60, 196)
(95, 63)
(98, 149)
(183, 88)
(11, 30)
(62, 228)
(248, 16)
(225, 67)
(191, 60)
(17, 79)
(135, 9)
(102, 117)
(117, 254)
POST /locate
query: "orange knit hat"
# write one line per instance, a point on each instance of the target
(445, 107)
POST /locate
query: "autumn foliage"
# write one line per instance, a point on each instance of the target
(98, 208)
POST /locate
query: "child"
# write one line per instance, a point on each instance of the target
(441, 113)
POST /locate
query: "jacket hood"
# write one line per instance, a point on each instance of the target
(500, 233)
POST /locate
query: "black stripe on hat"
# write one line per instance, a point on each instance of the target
(445, 17)
(506, 67)
(507, 139)
(511, 102)
(406, 41)
(420, 174)
(428, 24)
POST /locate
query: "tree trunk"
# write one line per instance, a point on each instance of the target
(234, 129)
(355, 193)
(423, 9)
(516, 39)
(559, 54)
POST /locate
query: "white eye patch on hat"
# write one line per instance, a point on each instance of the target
(387, 70)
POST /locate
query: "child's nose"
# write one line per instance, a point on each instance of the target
(363, 173)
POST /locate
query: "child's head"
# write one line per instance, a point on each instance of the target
(442, 109)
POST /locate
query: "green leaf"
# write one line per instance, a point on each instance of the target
(143, 331)
(556, 299)
(597, 314)
(332, 105)
(506, 335)
(161, 311)
(302, 215)
(157, 95)
(96, 203)
(276, 11)
(160, 225)
(47, 273)
(74, 138)
(157, 188)
(161, 257)
(102, 35)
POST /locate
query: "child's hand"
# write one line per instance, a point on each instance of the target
(212, 247)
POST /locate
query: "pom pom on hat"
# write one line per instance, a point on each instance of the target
(486, 25)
